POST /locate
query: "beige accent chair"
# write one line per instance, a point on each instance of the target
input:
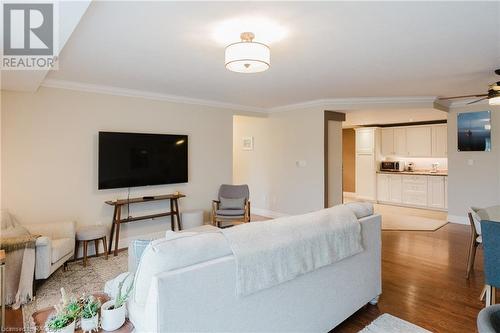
(54, 248)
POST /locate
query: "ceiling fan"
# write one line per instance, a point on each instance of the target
(493, 95)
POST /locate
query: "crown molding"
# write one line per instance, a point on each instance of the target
(359, 102)
(338, 103)
(117, 91)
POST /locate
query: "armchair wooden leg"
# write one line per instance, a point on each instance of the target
(96, 245)
(483, 292)
(471, 256)
(75, 257)
(85, 245)
(105, 247)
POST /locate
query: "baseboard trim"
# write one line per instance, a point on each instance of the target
(267, 213)
(350, 195)
(458, 219)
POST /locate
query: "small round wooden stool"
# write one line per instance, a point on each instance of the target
(94, 233)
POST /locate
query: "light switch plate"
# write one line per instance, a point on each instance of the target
(301, 163)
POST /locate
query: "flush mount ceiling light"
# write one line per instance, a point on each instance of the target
(248, 56)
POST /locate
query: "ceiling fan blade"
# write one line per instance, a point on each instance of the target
(464, 96)
(478, 100)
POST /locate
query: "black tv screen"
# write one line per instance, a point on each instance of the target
(137, 159)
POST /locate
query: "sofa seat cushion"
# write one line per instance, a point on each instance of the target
(168, 254)
(62, 247)
(230, 212)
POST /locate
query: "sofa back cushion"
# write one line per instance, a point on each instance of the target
(174, 252)
(360, 208)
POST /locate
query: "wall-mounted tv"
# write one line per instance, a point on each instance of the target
(140, 159)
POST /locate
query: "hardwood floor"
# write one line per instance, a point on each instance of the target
(423, 281)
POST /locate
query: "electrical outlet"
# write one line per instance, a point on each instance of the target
(470, 162)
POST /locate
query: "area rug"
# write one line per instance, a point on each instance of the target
(76, 280)
(410, 223)
(387, 323)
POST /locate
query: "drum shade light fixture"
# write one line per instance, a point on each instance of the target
(247, 56)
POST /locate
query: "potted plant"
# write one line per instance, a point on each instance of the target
(90, 313)
(113, 311)
(63, 321)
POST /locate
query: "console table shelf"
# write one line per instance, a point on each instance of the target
(117, 220)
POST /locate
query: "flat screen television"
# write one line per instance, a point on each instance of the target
(138, 159)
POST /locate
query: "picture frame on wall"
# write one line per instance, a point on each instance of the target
(247, 142)
(474, 131)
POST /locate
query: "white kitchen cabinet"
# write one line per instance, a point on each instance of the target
(389, 188)
(366, 166)
(418, 141)
(446, 192)
(395, 188)
(366, 177)
(440, 141)
(365, 140)
(383, 187)
(400, 142)
(436, 191)
(387, 141)
(415, 190)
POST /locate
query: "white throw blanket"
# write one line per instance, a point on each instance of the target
(272, 252)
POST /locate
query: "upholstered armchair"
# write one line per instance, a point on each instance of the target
(232, 205)
(54, 248)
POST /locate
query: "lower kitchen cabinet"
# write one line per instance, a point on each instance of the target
(412, 190)
(415, 190)
(436, 189)
(389, 188)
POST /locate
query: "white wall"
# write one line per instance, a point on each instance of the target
(49, 150)
(278, 185)
(477, 184)
(252, 167)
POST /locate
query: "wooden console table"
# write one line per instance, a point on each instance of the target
(117, 220)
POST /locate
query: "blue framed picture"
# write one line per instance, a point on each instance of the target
(474, 131)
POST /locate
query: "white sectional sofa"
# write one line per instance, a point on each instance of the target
(187, 284)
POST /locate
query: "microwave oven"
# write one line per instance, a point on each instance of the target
(391, 166)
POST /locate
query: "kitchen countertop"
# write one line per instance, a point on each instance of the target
(417, 173)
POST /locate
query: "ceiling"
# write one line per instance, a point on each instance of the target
(331, 50)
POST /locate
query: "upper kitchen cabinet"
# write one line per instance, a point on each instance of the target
(414, 141)
(387, 141)
(400, 142)
(365, 140)
(419, 141)
(440, 141)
